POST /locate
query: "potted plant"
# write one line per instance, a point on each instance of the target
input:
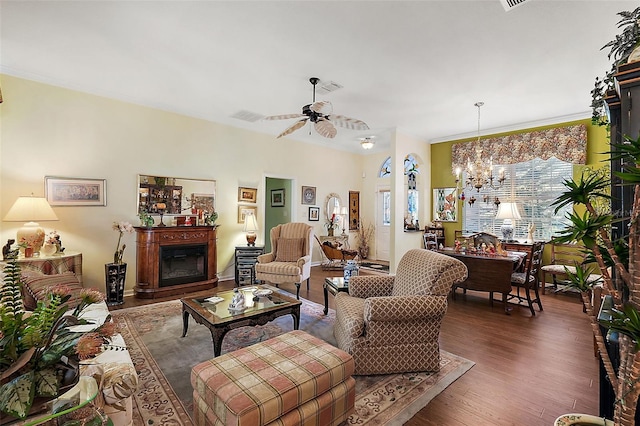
(364, 234)
(39, 351)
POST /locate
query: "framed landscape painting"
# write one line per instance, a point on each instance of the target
(277, 197)
(62, 191)
(247, 195)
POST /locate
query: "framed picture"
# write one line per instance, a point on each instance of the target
(61, 191)
(308, 195)
(202, 202)
(248, 195)
(354, 210)
(445, 208)
(314, 214)
(243, 210)
(277, 197)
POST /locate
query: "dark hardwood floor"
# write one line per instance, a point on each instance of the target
(529, 370)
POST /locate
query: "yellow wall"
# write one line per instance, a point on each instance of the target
(51, 131)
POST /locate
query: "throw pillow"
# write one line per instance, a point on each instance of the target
(36, 284)
(289, 249)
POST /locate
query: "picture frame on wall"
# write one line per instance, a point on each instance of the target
(63, 191)
(244, 210)
(247, 195)
(277, 197)
(354, 210)
(308, 195)
(314, 214)
(445, 208)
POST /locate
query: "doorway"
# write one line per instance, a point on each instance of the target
(280, 211)
(383, 223)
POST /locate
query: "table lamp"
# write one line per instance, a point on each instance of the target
(507, 211)
(30, 210)
(250, 227)
(344, 212)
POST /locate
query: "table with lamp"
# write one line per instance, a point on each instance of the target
(246, 257)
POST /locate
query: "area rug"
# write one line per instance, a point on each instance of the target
(163, 361)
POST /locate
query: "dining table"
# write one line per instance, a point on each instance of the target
(488, 272)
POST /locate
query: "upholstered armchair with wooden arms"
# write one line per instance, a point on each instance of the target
(290, 258)
(391, 324)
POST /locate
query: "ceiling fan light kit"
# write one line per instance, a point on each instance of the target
(320, 114)
(367, 143)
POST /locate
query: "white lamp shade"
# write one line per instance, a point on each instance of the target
(508, 211)
(250, 223)
(30, 210)
(344, 211)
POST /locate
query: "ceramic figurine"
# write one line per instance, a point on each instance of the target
(530, 231)
(457, 246)
(237, 303)
(7, 249)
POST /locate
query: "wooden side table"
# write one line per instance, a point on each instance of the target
(333, 285)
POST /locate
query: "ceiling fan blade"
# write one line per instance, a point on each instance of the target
(322, 107)
(348, 122)
(325, 128)
(293, 128)
(284, 116)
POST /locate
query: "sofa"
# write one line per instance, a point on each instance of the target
(391, 323)
(113, 369)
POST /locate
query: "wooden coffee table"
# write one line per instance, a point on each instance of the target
(334, 286)
(219, 320)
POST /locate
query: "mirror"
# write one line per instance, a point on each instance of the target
(178, 196)
(332, 205)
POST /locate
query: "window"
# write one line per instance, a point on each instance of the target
(534, 185)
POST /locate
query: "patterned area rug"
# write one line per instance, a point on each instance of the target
(380, 267)
(163, 361)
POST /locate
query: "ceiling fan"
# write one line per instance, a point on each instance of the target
(320, 114)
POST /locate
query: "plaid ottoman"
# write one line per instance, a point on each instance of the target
(292, 379)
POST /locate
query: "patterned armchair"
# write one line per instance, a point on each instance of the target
(391, 324)
(290, 258)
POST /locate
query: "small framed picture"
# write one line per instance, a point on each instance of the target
(277, 197)
(61, 191)
(248, 195)
(314, 214)
(444, 205)
(244, 210)
(308, 195)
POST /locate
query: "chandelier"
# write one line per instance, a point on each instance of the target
(480, 173)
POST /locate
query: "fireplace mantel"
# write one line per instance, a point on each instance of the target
(150, 243)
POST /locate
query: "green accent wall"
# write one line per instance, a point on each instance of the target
(443, 177)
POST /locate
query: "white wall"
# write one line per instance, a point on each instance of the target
(47, 130)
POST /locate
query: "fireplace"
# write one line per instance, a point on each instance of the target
(182, 264)
(175, 260)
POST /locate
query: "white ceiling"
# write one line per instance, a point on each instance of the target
(418, 66)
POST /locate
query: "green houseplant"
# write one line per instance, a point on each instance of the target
(38, 350)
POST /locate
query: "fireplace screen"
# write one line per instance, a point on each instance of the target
(182, 264)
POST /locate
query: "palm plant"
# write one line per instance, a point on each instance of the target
(592, 228)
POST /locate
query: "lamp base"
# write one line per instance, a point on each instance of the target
(507, 230)
(251, 238)
(32, 235)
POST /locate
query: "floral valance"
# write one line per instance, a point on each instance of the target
(565, 143)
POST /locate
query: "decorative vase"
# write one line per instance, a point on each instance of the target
(115, 276)
(350, 270)
(48, 249)
(330, 232)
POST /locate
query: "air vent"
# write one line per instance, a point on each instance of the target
(325, 87)
(249, 116)
(510, 4)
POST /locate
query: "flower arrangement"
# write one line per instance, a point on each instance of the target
(121, 227)
(210, 219)
(39, 350)
(364, 234)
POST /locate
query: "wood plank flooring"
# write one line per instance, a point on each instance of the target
(529, 370)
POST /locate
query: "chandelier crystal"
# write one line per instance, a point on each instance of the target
(480, 173)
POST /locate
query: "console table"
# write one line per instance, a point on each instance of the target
(68, 261)
(159, 248)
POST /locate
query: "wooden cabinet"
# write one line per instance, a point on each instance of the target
(246, 258)
(149, 195)
(175, 260)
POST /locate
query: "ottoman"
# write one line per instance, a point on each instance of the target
(292, 379)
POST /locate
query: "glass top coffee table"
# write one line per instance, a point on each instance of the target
(217, 317)
(333, 285)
